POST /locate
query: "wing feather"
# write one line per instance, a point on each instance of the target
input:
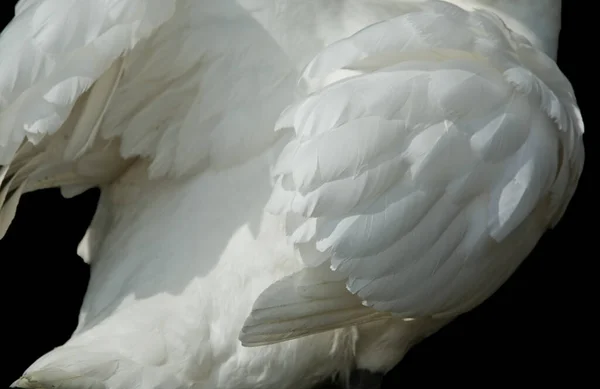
(61, 64)
(425, 166)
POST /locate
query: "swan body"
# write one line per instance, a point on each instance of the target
(291, 190)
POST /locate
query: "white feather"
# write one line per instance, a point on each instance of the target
(426, 149)
(474, 141)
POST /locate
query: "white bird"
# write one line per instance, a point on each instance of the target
(292, 190)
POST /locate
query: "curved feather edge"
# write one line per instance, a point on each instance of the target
(52, 110)
(310, 301)
(344, 220)
(57, 174)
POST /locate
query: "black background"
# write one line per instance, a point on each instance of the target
(531, 331)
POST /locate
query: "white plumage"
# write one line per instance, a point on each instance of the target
(330, 222)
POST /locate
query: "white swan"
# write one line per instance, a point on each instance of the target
(259, 232)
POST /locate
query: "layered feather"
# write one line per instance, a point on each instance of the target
(423, 169)
(163, 81)
(61, 64)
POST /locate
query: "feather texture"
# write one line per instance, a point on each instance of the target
(411, 177)
(424, 167)
(88, 87)
(60, 68)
